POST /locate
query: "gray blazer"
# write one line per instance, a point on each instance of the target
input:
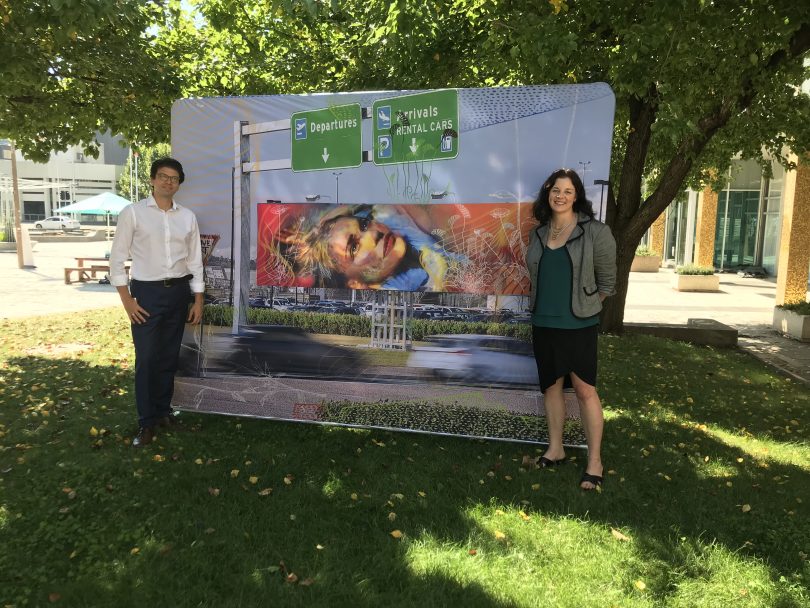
(592, 252)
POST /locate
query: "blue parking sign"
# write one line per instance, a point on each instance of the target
(384, 147)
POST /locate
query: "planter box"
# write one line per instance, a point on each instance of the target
(696, 282)
(646, 263)
(792, 324)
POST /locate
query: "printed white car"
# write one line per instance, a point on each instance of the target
(477, 358)
(56, 222)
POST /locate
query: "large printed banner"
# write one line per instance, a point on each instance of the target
(473, 249)
(314, 205)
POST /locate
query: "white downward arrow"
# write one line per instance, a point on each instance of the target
(325, 155)
(414, 145)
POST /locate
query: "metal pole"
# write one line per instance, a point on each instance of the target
(131, 181)
(337, 175)
(137, 197)
(725, 222)
(17, 218)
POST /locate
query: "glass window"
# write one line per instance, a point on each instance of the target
(746, 175)
(736, 232)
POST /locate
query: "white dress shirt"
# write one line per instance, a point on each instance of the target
(161, 244)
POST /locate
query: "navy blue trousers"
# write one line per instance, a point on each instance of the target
(157, 346)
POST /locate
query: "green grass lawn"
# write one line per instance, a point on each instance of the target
(704, 504)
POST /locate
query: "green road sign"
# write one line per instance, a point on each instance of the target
(330, 138)
(423, 126)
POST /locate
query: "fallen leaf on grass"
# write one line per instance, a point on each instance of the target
(396, 533)
(134, 551)
(234, 473)
(529, 461)
(292, 577)
(213, 491)
(158, 458)
(618, 535)
(265, 492)
(288, 479)
(472, 552)
(320, 547)
(535, 486)
(253, 479)
(353, 496)
(422, 494)
(499, 535)
(640, 585)
(392, 516)
(746, 508)
(54, 597)
(306, 582)
(198, 461)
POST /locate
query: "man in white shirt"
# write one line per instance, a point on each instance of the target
(163, 241)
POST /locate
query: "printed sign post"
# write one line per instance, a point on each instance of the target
(416, 127)
(326, 139)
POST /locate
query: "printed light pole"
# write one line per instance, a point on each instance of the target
(337, 175)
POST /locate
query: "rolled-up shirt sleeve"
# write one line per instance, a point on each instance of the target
(120, 250)
(194, 260)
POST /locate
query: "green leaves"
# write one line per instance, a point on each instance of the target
(71, 68)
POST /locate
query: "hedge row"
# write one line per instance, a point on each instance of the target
(359, 325)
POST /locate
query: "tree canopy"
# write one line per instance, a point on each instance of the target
(71, 68)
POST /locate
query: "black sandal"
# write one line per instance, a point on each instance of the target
(596, 480)
(546, 463)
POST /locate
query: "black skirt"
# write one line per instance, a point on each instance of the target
(559, 352)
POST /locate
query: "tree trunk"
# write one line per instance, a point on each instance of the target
(611, 319)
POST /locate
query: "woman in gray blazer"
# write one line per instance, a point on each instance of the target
(572, 266)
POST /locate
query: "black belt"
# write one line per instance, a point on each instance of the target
(167, 282)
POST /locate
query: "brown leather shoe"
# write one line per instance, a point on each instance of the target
(172, 421)
(145, 436)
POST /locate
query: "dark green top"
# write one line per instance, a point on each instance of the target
(553, 304)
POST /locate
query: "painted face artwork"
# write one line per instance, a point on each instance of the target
(365, 251)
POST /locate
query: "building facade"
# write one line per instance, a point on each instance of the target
(756, 224)
(68, 177)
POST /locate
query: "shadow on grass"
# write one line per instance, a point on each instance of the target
(224, 514)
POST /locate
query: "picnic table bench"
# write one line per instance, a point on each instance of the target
(86, 273)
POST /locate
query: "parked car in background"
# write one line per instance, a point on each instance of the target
(341, 310)
(522, 317)
(56, 222)
(477, 359)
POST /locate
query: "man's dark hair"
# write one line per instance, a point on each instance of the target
(167, 162)
(542, 209)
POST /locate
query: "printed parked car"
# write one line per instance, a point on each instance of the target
(477, 358)
(266, 350)
(56, 222)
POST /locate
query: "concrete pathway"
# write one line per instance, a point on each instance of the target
(743, 303)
